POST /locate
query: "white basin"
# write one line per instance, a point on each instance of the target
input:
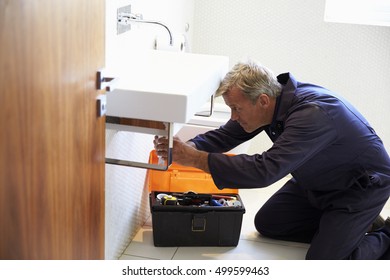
(164, 86)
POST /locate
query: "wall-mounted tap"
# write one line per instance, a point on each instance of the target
(125, 18)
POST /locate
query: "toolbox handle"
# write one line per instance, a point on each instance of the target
(198, 223)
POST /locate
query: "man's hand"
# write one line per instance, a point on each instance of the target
(183, 153)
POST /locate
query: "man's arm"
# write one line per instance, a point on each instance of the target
(183, 153)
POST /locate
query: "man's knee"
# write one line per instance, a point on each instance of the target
(262, 223)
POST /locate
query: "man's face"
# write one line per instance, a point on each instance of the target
(249, 115)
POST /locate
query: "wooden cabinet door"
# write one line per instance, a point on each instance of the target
(51, 139)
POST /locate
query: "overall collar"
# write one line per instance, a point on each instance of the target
(283, 103)
(284, 100)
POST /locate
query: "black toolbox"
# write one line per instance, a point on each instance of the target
(196, 219)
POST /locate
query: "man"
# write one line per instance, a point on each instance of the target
(339, 166)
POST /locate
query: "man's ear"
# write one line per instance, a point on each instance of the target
(264, 100)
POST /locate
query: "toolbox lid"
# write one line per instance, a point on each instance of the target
(198, 207)
(179, 178)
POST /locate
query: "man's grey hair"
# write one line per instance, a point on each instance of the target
(252, 78)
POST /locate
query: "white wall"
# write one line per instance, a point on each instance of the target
(353, 60)
(127, 205)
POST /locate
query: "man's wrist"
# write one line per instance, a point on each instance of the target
(201, 161)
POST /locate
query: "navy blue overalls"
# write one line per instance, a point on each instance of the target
(339, 166)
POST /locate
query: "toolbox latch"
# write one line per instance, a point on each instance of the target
(198, 223)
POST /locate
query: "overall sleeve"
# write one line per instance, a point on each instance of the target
(307, 131)
(224, 138)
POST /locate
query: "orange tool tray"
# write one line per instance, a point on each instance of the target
(179, 178)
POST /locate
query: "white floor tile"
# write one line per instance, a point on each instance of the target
(142, 246)
(129, 257)
(246, 250)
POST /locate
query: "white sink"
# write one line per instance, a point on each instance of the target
(164, 86)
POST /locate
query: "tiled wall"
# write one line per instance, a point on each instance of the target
(353, 60)
(127, 204)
